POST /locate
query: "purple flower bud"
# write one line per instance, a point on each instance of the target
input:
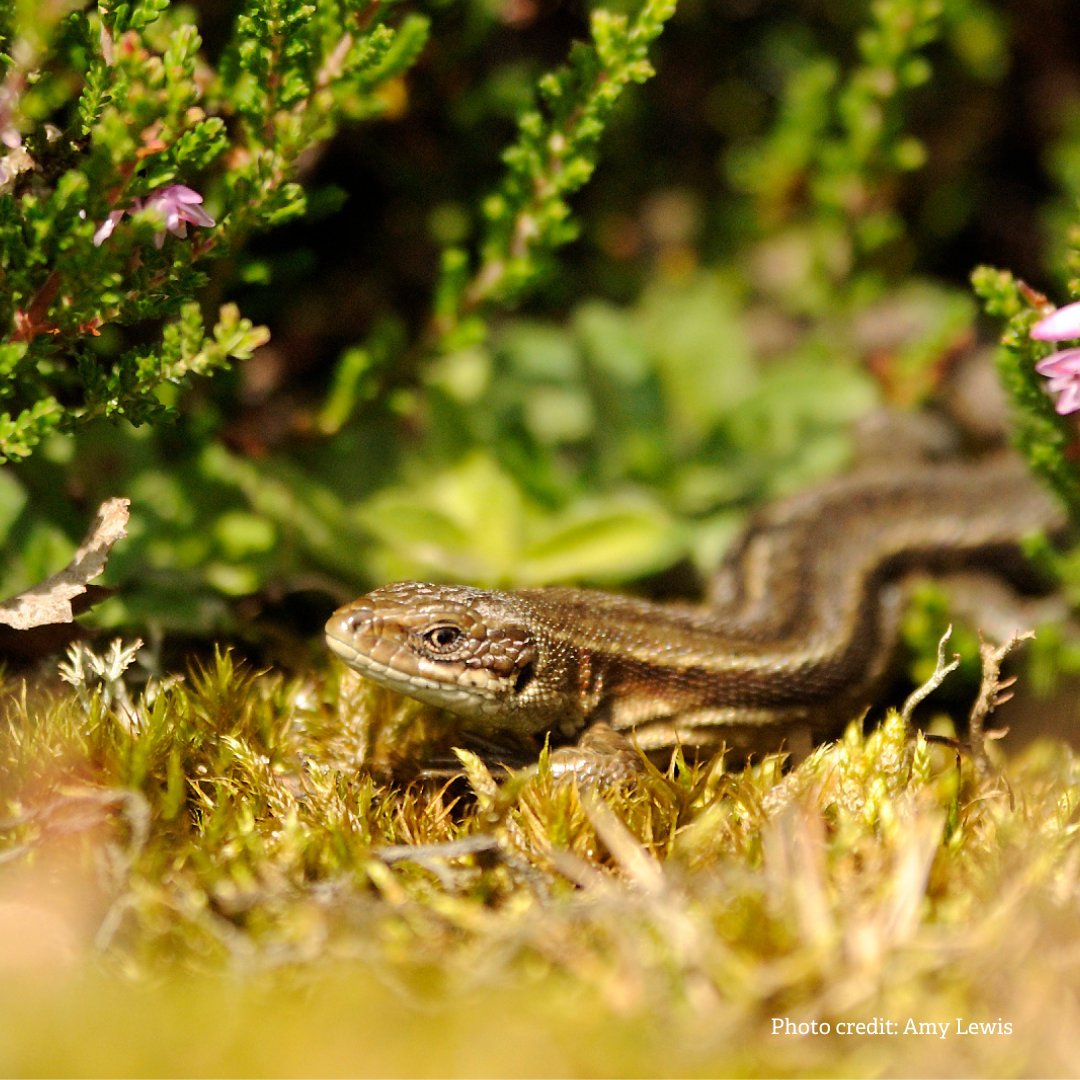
(105, 229)
(176, 203)
(179, 205)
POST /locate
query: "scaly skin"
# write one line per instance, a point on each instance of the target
(799, 631)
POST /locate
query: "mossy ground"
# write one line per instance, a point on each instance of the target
(204, 883)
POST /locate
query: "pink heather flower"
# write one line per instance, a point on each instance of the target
(179, 205)
(105, 229)
(1060, 325)
(176, 203)
(1063, 370)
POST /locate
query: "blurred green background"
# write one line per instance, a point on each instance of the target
(778, 238)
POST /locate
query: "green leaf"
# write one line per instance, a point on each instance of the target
(467, 522)
(20, 434)
(606, 541)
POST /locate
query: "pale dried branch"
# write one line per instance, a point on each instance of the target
(50, 601)
(993, 691)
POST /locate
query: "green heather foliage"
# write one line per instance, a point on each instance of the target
(554, 155)
(1040, 434)
(109, 105)
(843, 138)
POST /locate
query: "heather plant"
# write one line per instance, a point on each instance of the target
(1042, 387)
(109, 117)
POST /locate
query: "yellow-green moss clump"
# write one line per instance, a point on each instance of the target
(199, 879)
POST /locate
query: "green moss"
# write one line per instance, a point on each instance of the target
(204, 881)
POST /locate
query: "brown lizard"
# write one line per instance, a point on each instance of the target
(797, 636)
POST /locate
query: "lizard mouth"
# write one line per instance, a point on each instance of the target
(375, 656)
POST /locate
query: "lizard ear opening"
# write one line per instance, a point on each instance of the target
(524, 677)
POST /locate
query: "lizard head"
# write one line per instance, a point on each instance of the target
(465, 650)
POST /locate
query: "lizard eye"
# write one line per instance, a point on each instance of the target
(443, 637)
